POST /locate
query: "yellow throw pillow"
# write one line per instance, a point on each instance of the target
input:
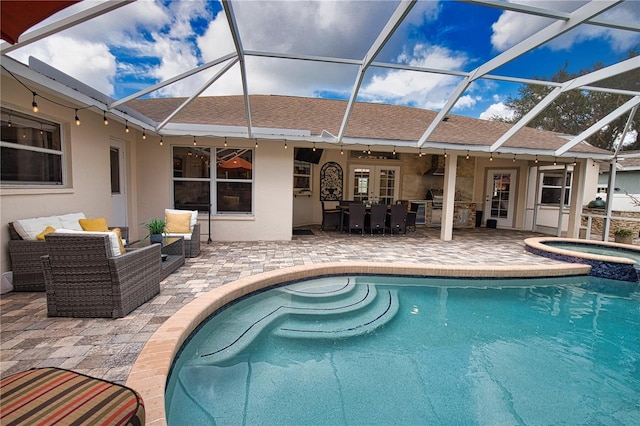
(47, 230)
(177, 223)
(98, 224)
(119, 234)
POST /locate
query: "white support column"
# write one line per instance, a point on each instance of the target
(449, 194)
(577, 198)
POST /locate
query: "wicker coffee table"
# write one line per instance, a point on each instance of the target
(172, 253)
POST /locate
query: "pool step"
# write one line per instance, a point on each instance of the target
(318, 309)
(311, 324)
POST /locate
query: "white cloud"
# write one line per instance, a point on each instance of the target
(497, 110)
(424, 90)
(513, 27)
(97, 71)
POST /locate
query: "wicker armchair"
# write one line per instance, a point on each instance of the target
(83, 279)
(25, 260)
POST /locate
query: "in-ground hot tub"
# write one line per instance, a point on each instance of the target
(607, 260)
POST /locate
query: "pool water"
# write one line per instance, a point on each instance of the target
(362, 350)
(596, 249)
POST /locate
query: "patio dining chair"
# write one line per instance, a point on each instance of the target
(354, 217)
(377, 216)
(330, 217)
(397, 219)
(412, 214)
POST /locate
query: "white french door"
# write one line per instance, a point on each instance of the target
(380, 184)
(500, 197)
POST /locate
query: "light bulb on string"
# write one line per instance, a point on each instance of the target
(467, 157)
(225, 141)
(368, 150)
(575, 161)
(445, 153)
(104, 118)
(194, 141)
(555, 163)
(314, 147)
(144, 134)
(9, 123)
(256, 142)
(341, 150)
(394, 150)
(126, 126)
(536, 160)
(161, 140)
(34, 104)
(77, 118)
(514, 158)
(491, 157)
(285, 144)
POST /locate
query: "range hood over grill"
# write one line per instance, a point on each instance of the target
(437, 166)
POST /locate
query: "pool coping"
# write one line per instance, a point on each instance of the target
(149, 374)
(538, 243)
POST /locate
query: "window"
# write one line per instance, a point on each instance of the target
(234, 181)
(301, 176)
(31, 150)
(551, 188)
(192, 178)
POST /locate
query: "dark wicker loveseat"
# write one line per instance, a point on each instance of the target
(84, 279)
(25, 260)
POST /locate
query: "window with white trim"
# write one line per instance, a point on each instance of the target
(234, 180)
(32, 152)
(301, 177)
(551, 187)
(191, 178)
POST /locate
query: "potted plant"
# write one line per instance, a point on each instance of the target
(155, 228)
(624, 236)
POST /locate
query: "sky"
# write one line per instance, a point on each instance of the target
(151, 41)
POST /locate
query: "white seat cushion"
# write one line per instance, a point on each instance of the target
(71, 221)
(186, 237)
(29, 228)
(113, 238)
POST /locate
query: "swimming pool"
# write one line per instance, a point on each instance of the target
(381, 350)
(607, 260)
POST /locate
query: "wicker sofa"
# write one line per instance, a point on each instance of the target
(25, 256)
(86, 276)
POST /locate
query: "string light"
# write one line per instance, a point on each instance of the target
(445, 153)
(144, 135)
(104, 118)
(256, 142)
(536, 161)
(314, 147)
(285, 144)
(77, 118)
(41, 129)
(194, 141)
(491, 157)
(34, 104)
(126, 126)
(420, 153)
(575, 161)
(161, 140)
(225, 141)
(341, 150)
(514, 158)
(467, 157)
(368, 150)
(9, 123)
(394, 150)
(554, 161)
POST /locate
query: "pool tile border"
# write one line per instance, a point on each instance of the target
(150, 371)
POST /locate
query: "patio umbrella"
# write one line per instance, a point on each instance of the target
(236, 163)
(18, 16)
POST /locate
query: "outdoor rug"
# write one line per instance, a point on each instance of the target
(302, 232)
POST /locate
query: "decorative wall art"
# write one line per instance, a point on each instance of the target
(331, 182)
